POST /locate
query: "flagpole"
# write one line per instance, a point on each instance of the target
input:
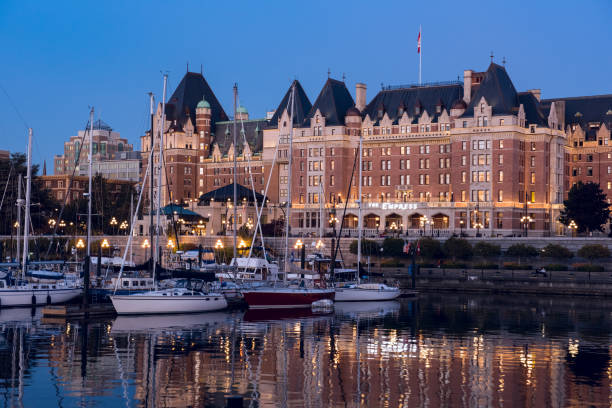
(420, 55)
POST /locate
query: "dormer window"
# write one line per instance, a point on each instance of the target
(417, 110)
(439, 109)
(400, 111)
(317, 119)
(482, 106)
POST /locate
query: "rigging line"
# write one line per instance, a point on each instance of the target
(6, 186)
(14, 106)
(178, 245)
(67, 195)
(252, 182)
(348, 195)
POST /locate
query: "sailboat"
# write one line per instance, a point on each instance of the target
(358, 291)
(187, 296)
(21, 292)
(284, 295)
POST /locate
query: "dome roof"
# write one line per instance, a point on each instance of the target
(353, 111)
(203, 104)
(242, 109)
(459, 104)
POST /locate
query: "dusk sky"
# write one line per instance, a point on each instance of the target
(59, 58)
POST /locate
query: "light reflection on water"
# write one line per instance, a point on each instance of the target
(440, 350)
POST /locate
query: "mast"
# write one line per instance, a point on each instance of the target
(151, 103)
(287, 213)
(91, 120)
(19, 205)
(235, 175)
(321, 204)
(359, 215)
(26, 218)
(159, 172)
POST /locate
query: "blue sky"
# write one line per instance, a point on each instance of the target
(59, 58)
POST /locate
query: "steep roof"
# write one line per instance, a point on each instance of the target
(427, 97)
(333, 102)
(253, 131)
(300, 109)
(498, 90)
(533, 112)
(226, 193)
(190, 91)
(592, 108)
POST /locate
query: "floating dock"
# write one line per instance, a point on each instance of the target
(78, 311)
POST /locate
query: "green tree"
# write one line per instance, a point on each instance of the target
(430, 248)
(521, 251)
(368, 247)
(587, 206)
(556, 251)
(593, 251)
(485, 249)
(457, 248)
(393, 247)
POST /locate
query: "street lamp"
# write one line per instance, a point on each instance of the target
(113, 223)
(461, 228)
(105, 244)
(80, 245)
(146, 244)
(573, 227)
(319, 244)
(478, 225)
(124, 225)
(298, 244)
(526, 220)
(219, 244)
(170, 244)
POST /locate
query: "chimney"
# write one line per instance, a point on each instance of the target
(360, 96)
(467, 85)
(537, 93)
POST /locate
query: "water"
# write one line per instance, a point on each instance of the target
(440, 350)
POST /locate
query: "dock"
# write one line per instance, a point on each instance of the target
(78, 311)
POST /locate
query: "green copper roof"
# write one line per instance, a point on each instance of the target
(241, 109)
(203, 104)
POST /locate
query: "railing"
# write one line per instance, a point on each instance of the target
(424, 84)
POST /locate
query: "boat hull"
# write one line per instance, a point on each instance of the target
(275, 298)
(139, 304)
(365, 295)
(23, 297)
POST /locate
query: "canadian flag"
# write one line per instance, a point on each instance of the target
(419, 42)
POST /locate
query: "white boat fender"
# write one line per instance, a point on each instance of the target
(322, 304)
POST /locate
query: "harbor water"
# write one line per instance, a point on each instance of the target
(436, 350)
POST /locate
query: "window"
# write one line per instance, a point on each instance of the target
(533, 177)
(533, 146)
(332, 165)
(501, 142)
(500, 159)
(463, 176)
(332, 180)
(589, 171)
(201, 171)
(463, 145)
(465, 123)
(533, 161)
(533, 198)
(500, 176)
(463, 195)
(500, 196)
(609, 185)
(463, 160)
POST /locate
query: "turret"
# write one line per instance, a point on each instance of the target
(203, 127)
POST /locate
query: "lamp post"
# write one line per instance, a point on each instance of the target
(219, 246)
(104, 245)
(526, 220)
(478, 225)
(123, 227)
(79, 245)
(573, 227)
(461, 228)
(113, 223)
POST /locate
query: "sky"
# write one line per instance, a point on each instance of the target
(59, 58)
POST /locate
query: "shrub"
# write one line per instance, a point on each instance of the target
(454, 265)
(485, 249)
(430, 248)
(486, 265)
(521, 250)
(393, 247)
(556, 251)
(368, 247)
(190, 246)
(584, 267)
(556, 267)
(593, 251)
(513, 266)
(391, 263)
(457, 248)
(426, 265)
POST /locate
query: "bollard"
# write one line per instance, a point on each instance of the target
(234, 401)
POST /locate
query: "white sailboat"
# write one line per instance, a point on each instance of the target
(186, 296)
(20, 292)
(357, 291)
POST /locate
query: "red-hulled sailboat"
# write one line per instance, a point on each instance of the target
(282, 294)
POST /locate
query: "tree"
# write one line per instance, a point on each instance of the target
(556, 251)
(593, 251)
(457, 248)
(521, 251)
(393, 247)
(368, 247)
(485, 249)
(430, 248)
(587, 206)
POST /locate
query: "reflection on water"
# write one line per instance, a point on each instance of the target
(438, 350)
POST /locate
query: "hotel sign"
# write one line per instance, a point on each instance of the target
(393, 206)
